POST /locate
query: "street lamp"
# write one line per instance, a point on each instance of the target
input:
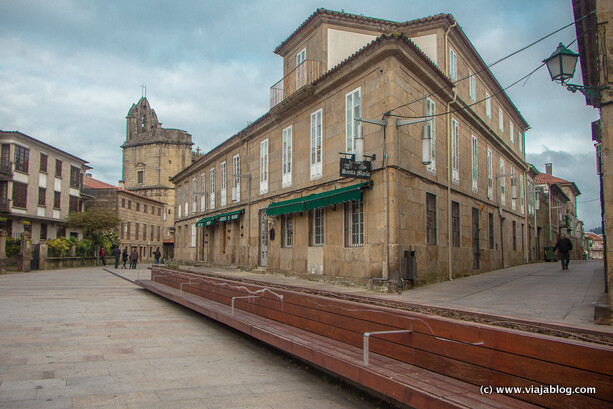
(561, 65)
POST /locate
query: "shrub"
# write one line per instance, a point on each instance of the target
(85, 248)
(60, 247)
(12, 246)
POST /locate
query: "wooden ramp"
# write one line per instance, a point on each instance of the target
(419, 360)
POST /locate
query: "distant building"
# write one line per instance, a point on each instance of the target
(594, 245)
(39, 186)
(151, 155)
(273, 195)
(142, 217)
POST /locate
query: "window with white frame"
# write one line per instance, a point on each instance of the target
(316, 143)
(287, 230)
(472, 88)
(429, 112)
(202, 190)
(212, 188)
(236, 180)
(514, 182)
(222, 184)
(520, 141)
(316, 227)
(354, 223)
(194, 196)
(186, 201)
(179, 198)
(286, 158)
(490, 175)
(264, 166)
(352, 111)
(521, 193)
(193, 241)
(455, 151)
(531, 196)
(488, 106)
(511, 132)
(300, 69)
(453, 65)
(503, 197)
(475, 164)
(500, 120)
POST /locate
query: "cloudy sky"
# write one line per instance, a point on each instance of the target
(71, 69)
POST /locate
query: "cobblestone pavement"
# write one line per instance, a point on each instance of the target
(83, 338)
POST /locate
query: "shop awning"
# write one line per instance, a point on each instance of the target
(317, 200)
(223, 217)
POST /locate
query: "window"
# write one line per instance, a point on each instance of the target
(194, 197)
(43, 163)
(455, 151)
(502, 183)
(129, 204)
(475, 164)
(22, 159)
(73, 203)
(138, 207)
(128, 230)
(431, 238)
(42, 196)
(455, 224)
(179, 197)
(212, 188)
(521, 193)
(352, 111)
(490, 175)
(136, 231)
(222, 177)
(316, 138)
(300, 69)
(286, 158)
(514, 235)
(186, 199)
(354, 223)
(123, 202)
(531, 196)
(20, 195)
(287, 230)
(152, 232)
(513, 191)
(58, 168)
(472, 89)
(236, 179)
(202, 190)
(57, 200)
(145, 208)
(500, 120)
(491, 225)
(511, 132)
(453, 65)
(488, 106)
(193, 238)
(43, 231)
(430, 112)
(140, 176)
(520, 141)
(158, 235)
(316, 227)
(144, 231)
(264, 166)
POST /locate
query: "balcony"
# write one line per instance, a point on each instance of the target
(6, 170)
(304, 74)
(4, 205)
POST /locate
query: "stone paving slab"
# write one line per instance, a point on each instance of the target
(83, 338)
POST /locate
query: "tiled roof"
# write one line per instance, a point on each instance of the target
(92, 183)
(593, 236)
(169, 240)
(544, 178)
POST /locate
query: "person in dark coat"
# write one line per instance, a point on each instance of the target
(133, 258)
(117, 254)
(124, 257)
(563, 246)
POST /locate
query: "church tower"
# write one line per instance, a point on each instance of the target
(151, 155)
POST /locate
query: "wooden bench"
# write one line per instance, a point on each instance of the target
(455, 358)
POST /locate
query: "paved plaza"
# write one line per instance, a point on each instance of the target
(84, 338)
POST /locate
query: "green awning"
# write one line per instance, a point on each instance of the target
(223, 217)
(317, 200)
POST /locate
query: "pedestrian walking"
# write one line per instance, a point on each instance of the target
(102, 256)
(117, 254)
(133, 258)
(157, 255)
(563, 246)
(124, 257)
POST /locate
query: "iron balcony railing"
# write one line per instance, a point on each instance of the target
(304, 74)
(5, 167)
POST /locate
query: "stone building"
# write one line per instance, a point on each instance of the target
(151, 155)
(142, 217)
(593, 244)
(39, 186)
(272, 195)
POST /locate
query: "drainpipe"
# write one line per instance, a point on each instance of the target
(455, 96)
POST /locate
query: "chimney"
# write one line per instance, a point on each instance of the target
(548, 167)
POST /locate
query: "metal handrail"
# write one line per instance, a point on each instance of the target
(368, 334)
(304, 74)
